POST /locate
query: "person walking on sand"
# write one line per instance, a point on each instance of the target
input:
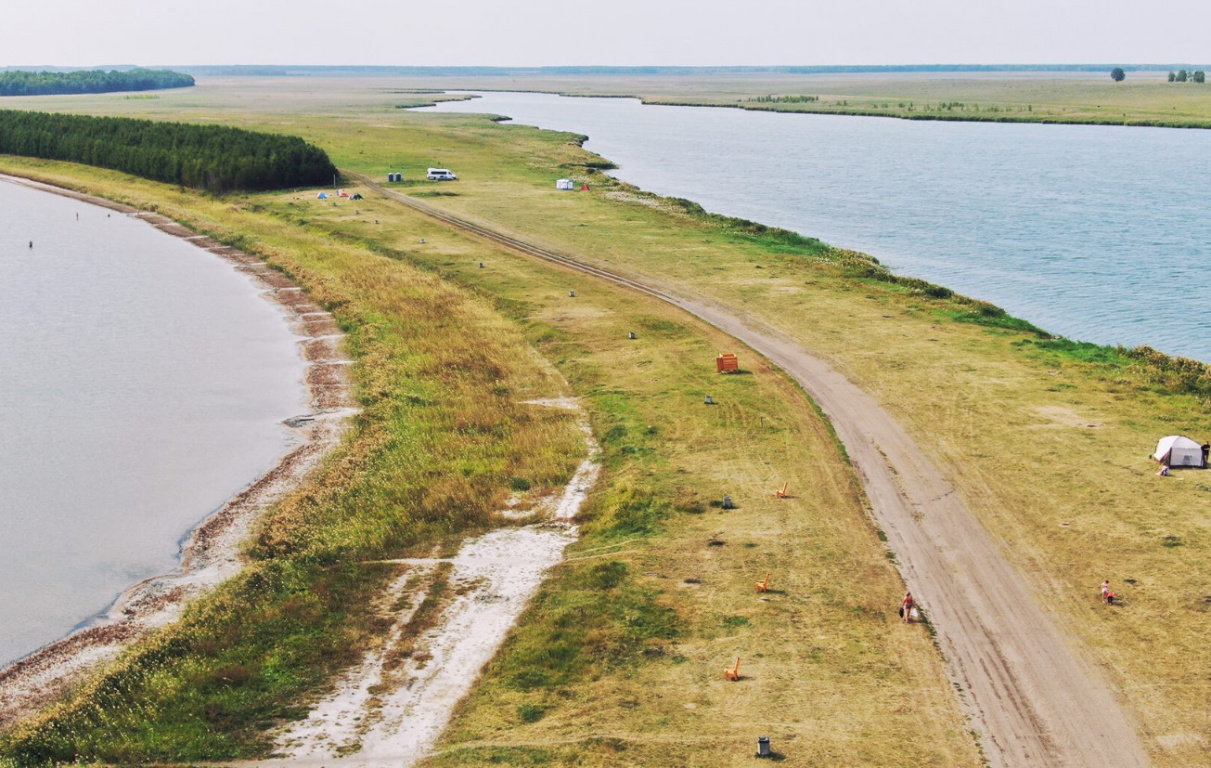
(906, 607)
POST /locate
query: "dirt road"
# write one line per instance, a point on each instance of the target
(1028, 688)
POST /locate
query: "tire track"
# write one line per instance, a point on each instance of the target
(1031, 694)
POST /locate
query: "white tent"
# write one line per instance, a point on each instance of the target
(565, 184)
(1178, 451)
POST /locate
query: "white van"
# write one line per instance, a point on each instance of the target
(441, 174)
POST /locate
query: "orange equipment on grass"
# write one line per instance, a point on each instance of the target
(763, 586)
(732, 673)
(780, 493)
(726, 362)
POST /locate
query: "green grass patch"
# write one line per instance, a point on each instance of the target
(593, 619)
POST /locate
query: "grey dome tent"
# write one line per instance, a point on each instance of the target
(1178, 451)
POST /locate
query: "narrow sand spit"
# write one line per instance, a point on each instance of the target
(211, 553)
(393, 707)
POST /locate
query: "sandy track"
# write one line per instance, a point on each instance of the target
(1031, 693)
(390, 712)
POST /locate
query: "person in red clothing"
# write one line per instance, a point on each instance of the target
(1107, 595)
(906, 606)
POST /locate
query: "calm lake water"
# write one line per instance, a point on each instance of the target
(1098, 233)
(142, 382)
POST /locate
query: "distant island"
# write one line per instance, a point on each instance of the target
(26, 83)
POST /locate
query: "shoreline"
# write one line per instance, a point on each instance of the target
(840, 112)
(984, 311)
(210, 553)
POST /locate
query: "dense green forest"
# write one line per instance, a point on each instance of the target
(22, 83)
(212, 157)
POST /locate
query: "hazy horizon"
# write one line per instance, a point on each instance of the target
(535, 33)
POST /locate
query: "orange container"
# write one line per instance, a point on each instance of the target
(726, 362)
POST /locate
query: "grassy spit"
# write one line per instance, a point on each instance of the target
(646, 604)
(1046, 439)
(1145, 98)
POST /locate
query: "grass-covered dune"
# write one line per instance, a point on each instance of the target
(619, 660)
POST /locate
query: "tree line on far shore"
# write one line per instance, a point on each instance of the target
(24, 83)
(211, 157)
(1181, 76)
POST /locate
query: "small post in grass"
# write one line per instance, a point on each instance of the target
(763, 749)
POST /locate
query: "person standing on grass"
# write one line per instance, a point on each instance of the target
(1107, 595)
(906, 606)
(1206, 451)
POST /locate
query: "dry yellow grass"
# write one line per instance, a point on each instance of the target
(1072, 499)
(1048, 452)
(827, 669)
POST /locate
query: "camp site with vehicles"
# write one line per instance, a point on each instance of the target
(608, 479)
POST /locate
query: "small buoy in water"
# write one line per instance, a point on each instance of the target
(572, 294)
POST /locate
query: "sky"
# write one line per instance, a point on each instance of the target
(617, 32)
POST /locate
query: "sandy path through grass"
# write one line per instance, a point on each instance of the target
(391, 709)
(1032, 694)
